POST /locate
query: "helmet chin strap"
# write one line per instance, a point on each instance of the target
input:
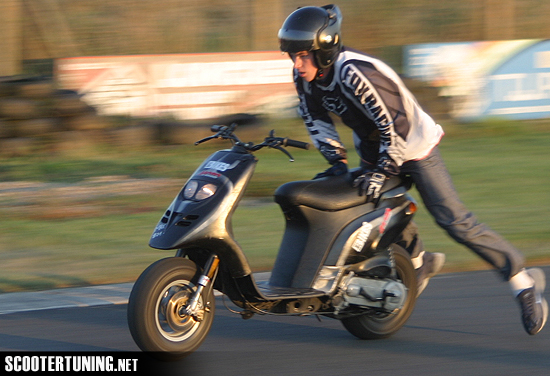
(320, 74)
(324, 74)
(320, 71)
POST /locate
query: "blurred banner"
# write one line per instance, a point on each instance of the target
(482, 79)
(187, 86)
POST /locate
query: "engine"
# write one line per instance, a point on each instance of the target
(383, 294)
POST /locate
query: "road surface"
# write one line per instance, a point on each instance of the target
(463, 324)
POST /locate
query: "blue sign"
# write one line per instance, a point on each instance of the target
(482, 79)
(520, 87)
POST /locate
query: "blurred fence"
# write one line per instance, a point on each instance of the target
(36, 117)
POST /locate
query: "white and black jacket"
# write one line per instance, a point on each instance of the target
(389, 126)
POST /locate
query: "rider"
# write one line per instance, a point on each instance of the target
(392, 135)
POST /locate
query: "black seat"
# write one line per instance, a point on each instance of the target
(330, 193)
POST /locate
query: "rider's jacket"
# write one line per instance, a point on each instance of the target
(389, 126)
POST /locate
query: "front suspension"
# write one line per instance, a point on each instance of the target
(208, 275)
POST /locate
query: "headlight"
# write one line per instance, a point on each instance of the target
(193, 191)
(190, 189)
(205, 191)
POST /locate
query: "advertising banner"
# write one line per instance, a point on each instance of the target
(483, 79)
(184, 86)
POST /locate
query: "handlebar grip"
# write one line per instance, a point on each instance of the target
(296, 144)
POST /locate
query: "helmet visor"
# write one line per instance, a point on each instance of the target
(293, 41)
(294, 46)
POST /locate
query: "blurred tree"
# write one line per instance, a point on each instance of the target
(10, 30)
(122, 27)
(499, 19)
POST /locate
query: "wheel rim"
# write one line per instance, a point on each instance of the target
(171, 320)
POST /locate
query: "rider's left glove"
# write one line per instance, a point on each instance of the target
(370, 184)
(337, 169)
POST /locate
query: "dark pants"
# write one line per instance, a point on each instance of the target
(433, 182)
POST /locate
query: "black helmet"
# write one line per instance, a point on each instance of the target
(313, 29)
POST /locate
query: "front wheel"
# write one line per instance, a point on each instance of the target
(157, 318)
(380, 325)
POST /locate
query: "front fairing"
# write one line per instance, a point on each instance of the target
(190, 220)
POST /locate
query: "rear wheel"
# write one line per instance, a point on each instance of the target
(157, 317)
(375, 326)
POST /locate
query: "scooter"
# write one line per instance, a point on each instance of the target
(338, 257)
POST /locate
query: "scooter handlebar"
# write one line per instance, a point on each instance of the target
(216, 128)
(223, 131)
(295, 144)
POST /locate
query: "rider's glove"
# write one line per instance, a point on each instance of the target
(339, 168)
(370, 184)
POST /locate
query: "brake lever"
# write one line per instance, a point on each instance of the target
(275, 143)
(284, 151)
(225, 133)
(206, 139)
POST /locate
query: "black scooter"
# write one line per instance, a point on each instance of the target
(338, 257)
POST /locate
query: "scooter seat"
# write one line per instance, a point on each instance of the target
(330, 193)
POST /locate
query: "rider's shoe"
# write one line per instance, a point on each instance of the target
(534, 308)
(431, 265)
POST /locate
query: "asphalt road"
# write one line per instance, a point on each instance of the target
(463, 324)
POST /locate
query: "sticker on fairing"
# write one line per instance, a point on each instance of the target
(210, 174)
(384, 224)
(220, 166)
(362, 237)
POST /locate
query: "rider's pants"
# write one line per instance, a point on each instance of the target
(436, 188)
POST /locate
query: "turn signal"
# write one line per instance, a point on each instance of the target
(412, 208)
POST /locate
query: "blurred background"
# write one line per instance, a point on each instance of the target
(35, 30)
(81, 189)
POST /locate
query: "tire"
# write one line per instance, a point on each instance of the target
(154, 305)
(371, 326)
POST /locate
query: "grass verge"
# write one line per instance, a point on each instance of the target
(62, 224)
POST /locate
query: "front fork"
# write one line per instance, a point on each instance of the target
(210, 270)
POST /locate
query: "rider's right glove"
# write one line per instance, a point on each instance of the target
(339, 168)
(370, 184)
